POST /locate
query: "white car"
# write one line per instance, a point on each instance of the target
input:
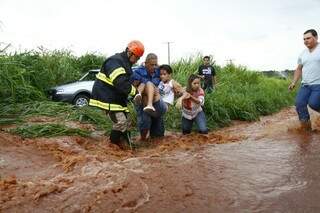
(77, 93)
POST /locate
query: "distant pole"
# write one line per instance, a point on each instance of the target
(168, 46)
(230, 61)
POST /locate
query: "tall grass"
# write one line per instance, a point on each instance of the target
(48, 130)
(241, 94)
(20, 112)
(26, 76)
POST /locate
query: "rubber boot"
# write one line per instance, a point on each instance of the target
(115, 137)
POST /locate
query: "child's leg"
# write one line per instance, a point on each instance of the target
(186, 125)
(152, 95)
(141, 88)
(149, 91)
(201, 123)
(137, 100)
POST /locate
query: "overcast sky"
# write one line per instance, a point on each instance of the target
(262, 35)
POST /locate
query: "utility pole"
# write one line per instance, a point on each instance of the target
(168, 45)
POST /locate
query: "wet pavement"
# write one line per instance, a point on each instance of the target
(265, 166)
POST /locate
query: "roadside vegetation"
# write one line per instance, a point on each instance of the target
(241, 94)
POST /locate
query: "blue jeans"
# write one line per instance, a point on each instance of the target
(208, 88)
(307, 95)
(153, 123)
(200, 120)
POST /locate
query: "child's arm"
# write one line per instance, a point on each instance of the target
(194, 99)
(141, 88)
(185, 95)
(177, 88)
(199, 99)
(136, 83)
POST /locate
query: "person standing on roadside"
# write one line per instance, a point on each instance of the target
(208, 75)
(308, 70)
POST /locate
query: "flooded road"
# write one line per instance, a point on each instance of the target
(265, 166)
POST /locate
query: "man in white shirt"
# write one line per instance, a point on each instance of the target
(309, 71)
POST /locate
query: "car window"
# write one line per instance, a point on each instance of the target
(90, 77)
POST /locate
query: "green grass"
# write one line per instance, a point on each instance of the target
(47, 130)
(241, 94)
(26, 76)
(20, 112)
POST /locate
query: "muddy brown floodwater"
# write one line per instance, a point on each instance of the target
(265, 166)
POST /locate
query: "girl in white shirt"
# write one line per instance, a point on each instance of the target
(168, 87)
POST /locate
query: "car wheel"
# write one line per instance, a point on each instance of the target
(81, 100)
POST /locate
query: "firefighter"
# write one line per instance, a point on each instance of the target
(113, 86)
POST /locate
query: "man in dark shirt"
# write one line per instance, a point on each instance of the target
(208, 74)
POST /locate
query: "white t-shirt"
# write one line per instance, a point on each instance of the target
(310, 62)
(166, 91)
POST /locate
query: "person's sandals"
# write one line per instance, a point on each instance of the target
(149, 109)
(137, 100)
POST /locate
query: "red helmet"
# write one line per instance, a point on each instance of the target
(136, 47)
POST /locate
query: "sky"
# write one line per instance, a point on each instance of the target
(261, 35)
